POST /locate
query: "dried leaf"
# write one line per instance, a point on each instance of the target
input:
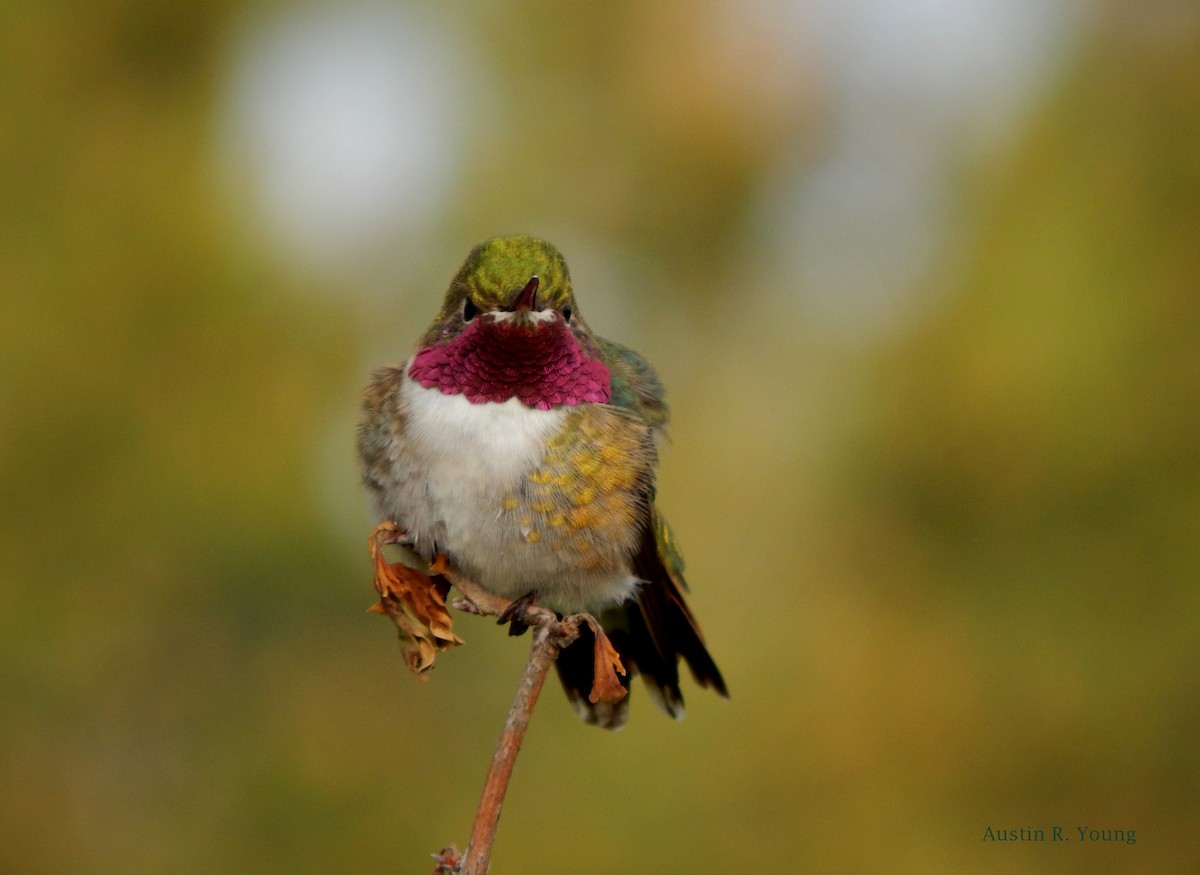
(440, 564)
(413, 600)
(605, 686)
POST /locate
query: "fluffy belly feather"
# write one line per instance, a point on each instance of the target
(485, 484)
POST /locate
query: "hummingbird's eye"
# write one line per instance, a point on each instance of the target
(566, 314)
(469, 310)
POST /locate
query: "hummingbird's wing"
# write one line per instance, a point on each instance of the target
(656, 628)
(670, 629)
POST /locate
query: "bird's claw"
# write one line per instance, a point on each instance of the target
(517, 614)
(389, 532)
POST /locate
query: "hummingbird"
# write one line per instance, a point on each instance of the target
(523, 447)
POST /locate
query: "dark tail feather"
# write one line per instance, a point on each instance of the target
(651, 633)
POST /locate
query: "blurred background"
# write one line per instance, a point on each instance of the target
(921, 278)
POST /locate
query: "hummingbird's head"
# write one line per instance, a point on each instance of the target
(508, 274)
(509, 328)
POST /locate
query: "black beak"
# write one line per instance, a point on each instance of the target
(527, 300)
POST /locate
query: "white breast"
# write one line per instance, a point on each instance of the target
(460, 464)
(469, 446)
(469, 458)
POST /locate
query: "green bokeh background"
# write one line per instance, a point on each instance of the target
(950, 574)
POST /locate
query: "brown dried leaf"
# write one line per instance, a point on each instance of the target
(605, 686)
(414, 601)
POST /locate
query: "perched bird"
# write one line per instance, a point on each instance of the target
(523, 447)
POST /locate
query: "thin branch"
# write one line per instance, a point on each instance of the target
(417, 606)
(487, 817)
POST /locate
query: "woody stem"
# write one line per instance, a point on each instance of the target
(477, 857)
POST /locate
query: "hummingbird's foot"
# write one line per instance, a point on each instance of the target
(517, 614)
(389, 532)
